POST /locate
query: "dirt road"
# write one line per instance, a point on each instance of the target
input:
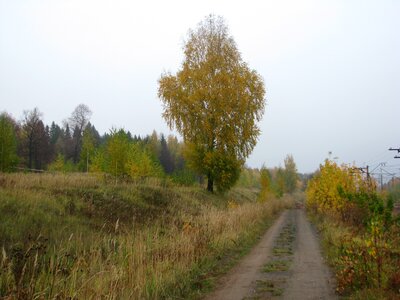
(285, 264)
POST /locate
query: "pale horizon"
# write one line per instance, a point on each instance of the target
(331, 69)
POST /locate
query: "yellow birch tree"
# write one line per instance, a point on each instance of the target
(214, 101)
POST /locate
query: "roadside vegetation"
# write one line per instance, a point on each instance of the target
(360, 231)
(80, 236)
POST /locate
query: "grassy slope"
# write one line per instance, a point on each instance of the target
(81, 236)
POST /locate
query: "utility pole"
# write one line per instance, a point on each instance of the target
(395, 149)
(364, 170)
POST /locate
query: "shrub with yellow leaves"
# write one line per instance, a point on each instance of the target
(332, 191)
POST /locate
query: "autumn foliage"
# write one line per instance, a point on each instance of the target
(359, 229)
(214, 101)
(335, 190)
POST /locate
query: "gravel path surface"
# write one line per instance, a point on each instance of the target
(311, 278)
(290, 245)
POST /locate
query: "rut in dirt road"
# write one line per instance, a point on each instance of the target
(285, 264)
(311, 278)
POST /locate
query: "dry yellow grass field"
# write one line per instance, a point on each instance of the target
(81, 236)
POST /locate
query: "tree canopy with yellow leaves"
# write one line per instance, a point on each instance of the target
(214, 101)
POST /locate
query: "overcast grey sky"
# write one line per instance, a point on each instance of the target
(331, 68)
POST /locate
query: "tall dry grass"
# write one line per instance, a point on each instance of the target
(169, 257)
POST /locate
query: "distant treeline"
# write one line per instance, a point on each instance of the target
(77, 146)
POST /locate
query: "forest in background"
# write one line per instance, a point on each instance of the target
(77, 146)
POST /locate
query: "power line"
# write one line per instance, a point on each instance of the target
(382, 174)
(383, 156)
(363, 170)
(376, 157)
(395, 149)
(393, 166)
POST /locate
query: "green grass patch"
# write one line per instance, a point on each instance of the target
(277, 251)
(277, 266)
(283, 244)
(269, 286)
